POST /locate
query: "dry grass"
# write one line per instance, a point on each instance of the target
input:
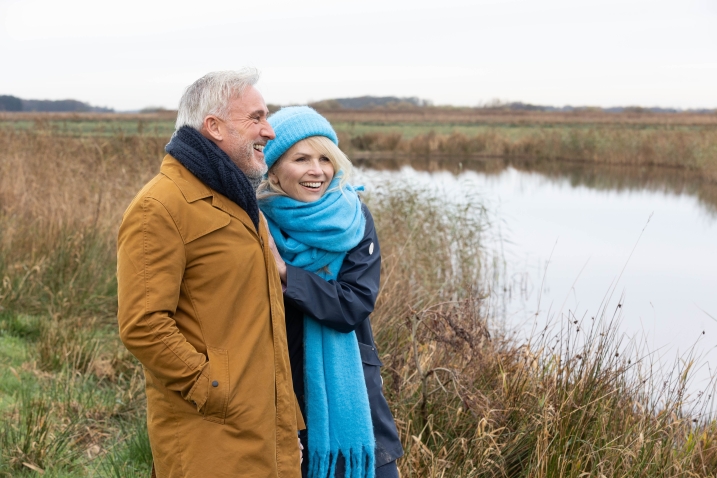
(498, 116)
(469, 401)
(71, 396)
(694, 150)
(574, 400)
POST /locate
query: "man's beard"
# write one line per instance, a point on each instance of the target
(243, 156)
(255, 181)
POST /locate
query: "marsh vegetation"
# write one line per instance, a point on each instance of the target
(470, 399)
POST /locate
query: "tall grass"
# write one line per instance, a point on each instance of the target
(469, 399)
(694, 149)
(73, 391)
(576, 399)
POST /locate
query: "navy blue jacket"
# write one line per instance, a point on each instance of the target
(344, 304)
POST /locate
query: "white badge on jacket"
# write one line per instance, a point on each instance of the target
(370, 249)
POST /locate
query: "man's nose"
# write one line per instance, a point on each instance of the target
(267, 131)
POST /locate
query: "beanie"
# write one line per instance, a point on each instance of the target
(291, 125)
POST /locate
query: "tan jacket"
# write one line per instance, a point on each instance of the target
(200, 305)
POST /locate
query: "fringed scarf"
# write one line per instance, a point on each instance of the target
(316, 236)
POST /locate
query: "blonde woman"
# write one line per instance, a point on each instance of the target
(329, 260)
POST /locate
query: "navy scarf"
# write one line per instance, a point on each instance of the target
(213, 167)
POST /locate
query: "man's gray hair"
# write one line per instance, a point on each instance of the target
(211, 94)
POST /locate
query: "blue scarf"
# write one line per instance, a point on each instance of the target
(315, 237)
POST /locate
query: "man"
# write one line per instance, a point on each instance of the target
(200, 299)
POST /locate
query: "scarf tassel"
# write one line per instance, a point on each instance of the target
(358, 464)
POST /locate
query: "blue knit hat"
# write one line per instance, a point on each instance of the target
(291, 125)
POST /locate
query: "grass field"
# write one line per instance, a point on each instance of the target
(575, 400)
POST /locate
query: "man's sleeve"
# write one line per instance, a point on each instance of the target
(150, 266)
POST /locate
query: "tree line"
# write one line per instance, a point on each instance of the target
(13, 103)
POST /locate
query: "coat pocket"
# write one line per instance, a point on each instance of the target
(371, 369)
(369, 355)
(215, 409)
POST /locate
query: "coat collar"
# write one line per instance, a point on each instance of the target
(193, 190)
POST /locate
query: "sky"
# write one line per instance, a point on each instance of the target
(140, 53)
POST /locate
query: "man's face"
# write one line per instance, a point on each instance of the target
(246, 131)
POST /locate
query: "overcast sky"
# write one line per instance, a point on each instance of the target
(138, 53)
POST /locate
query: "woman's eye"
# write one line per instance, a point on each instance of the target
(325, 159)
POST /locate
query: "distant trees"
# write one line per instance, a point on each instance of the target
(13, 103)
(370, 102)
(10, 103)
(413, 102)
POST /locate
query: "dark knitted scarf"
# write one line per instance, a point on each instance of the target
(213, 167)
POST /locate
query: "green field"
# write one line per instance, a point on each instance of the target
(93, 127)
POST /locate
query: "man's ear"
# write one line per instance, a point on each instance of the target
(211, 128)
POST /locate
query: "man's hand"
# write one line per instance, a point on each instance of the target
(301, 451)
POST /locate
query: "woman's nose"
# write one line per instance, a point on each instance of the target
(315, 168)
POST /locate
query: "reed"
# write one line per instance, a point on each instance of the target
(470, 399)
(69, 390)
(672, 148)
(576, 399)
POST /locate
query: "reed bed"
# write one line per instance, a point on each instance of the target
(470, 399)
(694, 150)
(575, 399)
(676, 140)
(503, 116)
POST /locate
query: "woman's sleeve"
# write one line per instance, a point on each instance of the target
(344, 303)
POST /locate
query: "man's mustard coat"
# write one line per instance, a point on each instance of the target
(200, 305)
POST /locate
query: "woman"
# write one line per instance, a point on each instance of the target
(330, 265)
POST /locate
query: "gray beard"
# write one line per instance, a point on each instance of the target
(254, 181)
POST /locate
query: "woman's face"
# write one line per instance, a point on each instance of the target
(303, 173)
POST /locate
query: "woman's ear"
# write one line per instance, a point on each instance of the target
(273, 178)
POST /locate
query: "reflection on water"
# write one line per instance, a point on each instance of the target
(595, 176)
(569, 241)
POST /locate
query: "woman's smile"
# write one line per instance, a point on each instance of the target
(313, 185)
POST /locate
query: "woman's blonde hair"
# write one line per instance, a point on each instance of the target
(325, 147)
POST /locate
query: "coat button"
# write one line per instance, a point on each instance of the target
(215, 384)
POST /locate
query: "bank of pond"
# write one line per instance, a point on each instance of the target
(506, 322)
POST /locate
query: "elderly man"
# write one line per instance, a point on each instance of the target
(200, 299)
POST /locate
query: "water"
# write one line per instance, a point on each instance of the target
(572, 244)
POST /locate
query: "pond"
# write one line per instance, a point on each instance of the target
(576, 239)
